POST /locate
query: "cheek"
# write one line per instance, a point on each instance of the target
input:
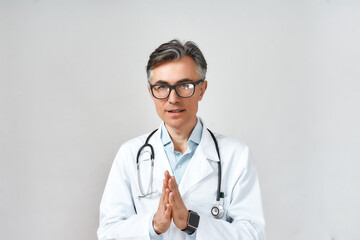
(159, 106)
(193, 105)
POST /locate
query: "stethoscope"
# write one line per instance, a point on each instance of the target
(217, 210)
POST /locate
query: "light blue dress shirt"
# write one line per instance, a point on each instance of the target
(178, 162)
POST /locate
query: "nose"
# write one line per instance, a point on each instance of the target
(173, 97)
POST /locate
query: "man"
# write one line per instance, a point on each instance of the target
(183, 198)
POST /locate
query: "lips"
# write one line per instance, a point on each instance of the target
(176, 110)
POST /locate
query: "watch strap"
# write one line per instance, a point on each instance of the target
(191, 227)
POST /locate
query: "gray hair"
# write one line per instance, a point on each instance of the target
(174, 50)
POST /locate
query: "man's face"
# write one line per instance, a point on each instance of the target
(175, 111)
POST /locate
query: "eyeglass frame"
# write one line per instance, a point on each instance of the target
(171, 87)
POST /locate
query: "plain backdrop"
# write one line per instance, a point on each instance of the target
(283, 76)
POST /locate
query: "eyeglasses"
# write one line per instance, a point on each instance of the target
(184, 90)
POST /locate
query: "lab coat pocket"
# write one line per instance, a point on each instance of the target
(203, 207)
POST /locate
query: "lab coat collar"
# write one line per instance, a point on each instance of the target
(161, 162)
(207, 145)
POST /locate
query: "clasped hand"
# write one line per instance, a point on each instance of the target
(171, 207)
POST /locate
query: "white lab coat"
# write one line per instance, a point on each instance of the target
(125, 216)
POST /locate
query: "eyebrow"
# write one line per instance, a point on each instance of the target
(180, 81)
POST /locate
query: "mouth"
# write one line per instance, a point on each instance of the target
(176, 111)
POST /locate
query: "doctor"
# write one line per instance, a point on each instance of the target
(169, 189)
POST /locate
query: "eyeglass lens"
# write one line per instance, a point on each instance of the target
(183, 90)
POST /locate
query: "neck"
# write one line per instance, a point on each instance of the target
(181, 136)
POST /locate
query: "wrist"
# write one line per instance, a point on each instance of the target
(192, 222)
(156, 229)
(184, 223)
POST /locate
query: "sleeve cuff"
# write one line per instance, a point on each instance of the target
(192, 236)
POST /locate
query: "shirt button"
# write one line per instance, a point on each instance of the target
(179, 166)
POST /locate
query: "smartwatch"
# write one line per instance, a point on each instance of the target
(192, 222)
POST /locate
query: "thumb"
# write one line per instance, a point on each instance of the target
(168, 211)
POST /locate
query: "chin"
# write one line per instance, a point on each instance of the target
(175, 123)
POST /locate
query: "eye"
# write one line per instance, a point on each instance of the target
(186, 86)
(160, 87)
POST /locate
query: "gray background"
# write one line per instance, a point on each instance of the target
(283, 77)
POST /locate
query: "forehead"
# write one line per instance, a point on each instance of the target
(176, 70)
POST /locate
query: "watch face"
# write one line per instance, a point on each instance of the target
(194, 220)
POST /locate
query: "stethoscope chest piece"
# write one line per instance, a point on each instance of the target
(217, 210)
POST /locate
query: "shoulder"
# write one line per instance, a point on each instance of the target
(231, 144)
(235, 158)
(235, 154)
(135, 142)
(132, 146)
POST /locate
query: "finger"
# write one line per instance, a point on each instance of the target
(163, 193)
(165, 183)
(174, 181)
(166, 201)
(174, 196)
(167, 175)
(172, 184)
(171, 199)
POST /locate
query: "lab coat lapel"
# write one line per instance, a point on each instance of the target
(161, 162)
(199, 166)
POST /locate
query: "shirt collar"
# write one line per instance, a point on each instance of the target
(165, 137)
(195, 135)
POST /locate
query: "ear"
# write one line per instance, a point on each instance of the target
(148, 86)
(203, 88)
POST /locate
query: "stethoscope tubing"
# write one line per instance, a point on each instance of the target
(152, 156)
(218, 194)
